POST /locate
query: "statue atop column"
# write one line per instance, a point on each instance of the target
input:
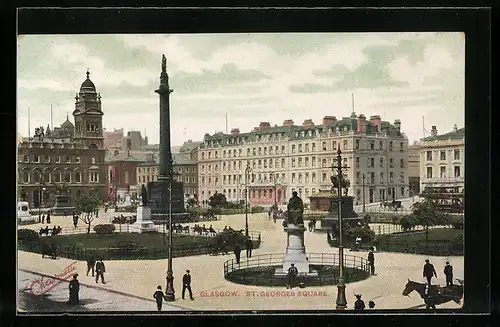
(144, 196)
(295, 209)
(163, 64)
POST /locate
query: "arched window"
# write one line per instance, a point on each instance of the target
(36, 176)
(67, 176)
(46, 177)
(26, 177)
(93, 146)
(56, 176)
(78, 177)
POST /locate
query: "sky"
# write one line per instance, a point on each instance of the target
(251, 78)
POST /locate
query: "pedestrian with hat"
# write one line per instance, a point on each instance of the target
(159, 297)
(186, 285)
(359, 304)
(74, 289)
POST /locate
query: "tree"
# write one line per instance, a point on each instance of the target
(61, 188)
(87, 206)
(217, 200)
(426, 214)
(192, 202)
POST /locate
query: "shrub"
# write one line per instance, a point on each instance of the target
(230, 238)
(27, 235)
(458, 241)
(126, 245)
(258, 209)
(366, 234)
(104, 229)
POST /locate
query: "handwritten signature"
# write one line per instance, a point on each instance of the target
(43, 285)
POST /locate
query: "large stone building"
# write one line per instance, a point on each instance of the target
(70, 155)
(299, 157)
(442, 160)
(116, 140)
(185, 170)
(121, 179)
(414, 168)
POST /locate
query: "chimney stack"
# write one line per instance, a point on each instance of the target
(308, 123)
(361, 124)
(434, 131)
(397, 124)
(264, 125)
(288, 122)
(328, 120)
(235, 131)
(375, 121)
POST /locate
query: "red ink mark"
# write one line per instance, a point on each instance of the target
(43, 285)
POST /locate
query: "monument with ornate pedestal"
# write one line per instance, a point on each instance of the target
(295, 248)
(349, 216)
(143, 224)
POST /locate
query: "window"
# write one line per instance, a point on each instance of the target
(78, 177)
(381, 162)
(300, 148)
(126, 177)
(282, 149)
(357, 144)
(401, 146)
(67, 177)
(36, 177)
(324, 146)
(293, 177)
(391, 145)
(313, 191)
(47, 159)
(36, 158)
(357, 162)
(93, 160)
(442, 172)
(456, 154)
(429, 172)
(402, 191)
(402, 176)
(293, 148)
(307, 178)
(391, 177)
(381, 178)
(26, 158)
(307, 161)
(26, 177)
(306, 147)
(456, 170)
(442, 155)
(372, 162)
(372, 178)
(300, 177)
(391, 163)
(57, 176)
(345, 144)
(402, 163)
(300, 162)
(313, 162)
(358, 176)
(313, 147)
(68, 159)
(324, 177)
(334, 145)
(372, 145)
(94, 177)
(313, 177)
(77, 160)
(293, 162)
(381, 145)
(429, 155)
(323, 163)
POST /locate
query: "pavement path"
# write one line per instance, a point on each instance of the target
(393, 270)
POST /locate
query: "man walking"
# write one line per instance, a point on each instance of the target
(237, 253)
(448, 272)
(91, 264)
(371, 261)
(74, 289)
(186, 285)
(429, 271)
(100, 269)
(48, 217)
(43, 219)
(159, 297)
(249, 247)
(292, 275)
(75, 220)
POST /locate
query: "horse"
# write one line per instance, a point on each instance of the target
(436, 294)
(186, 229)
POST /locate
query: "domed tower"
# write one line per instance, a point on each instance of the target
(68, 129)
(88, 116)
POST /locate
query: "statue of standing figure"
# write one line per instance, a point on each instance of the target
(163, 64)
(144, 196)
(295, 209)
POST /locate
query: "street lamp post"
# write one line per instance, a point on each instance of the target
(170, 292)
(364, 209)
(341, 298)
(247, 173)
(40, 197)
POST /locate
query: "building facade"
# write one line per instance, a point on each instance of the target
(442, 160)
(414, 168)
(185, 171)
(287, 158)
(71, 155)
(121, 179)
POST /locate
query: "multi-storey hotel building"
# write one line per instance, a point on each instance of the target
(442, 159)
(287, 158)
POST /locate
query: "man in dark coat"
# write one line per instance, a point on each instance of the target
(75, 220)
(100, 269)
(186, 285)
(249, 247)
(74, 288)
(48, 217)
(359, 304)
(43, 219)
(91, 264)
(429, 271)
(292, 275)
(448, 272)
(371, 261)
(237, 253)
(159, 296)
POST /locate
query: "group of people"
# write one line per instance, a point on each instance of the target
(237, 250)
(48, 218)
(97, 267)
(430, 271)
(53, 231)
(360, 304)
(159, 296)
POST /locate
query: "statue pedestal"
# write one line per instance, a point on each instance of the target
(143, 224)
(295, 252)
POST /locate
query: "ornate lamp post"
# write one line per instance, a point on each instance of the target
(248, 170)
(40, 197)
(364, 209)
(170, 292)
(341, 298)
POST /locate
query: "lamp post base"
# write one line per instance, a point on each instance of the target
(169, 292)
(341, 300)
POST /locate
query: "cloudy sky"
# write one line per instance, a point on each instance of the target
(249, 77)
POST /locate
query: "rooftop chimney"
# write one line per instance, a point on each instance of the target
(308, 123)
(328, 120)
(434, 131)
(264, 125)
(235, 131)
(288, 122)
(375, 121)
(361, 124)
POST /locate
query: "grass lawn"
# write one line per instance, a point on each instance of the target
(149, 240)
(438, 234)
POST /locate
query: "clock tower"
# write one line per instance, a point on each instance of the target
(88, 116)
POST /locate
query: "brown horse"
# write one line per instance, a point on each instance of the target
(436, 294)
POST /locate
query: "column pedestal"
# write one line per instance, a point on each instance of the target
(143, 224)
(295, 252)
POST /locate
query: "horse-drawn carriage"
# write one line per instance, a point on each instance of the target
(435, 294)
